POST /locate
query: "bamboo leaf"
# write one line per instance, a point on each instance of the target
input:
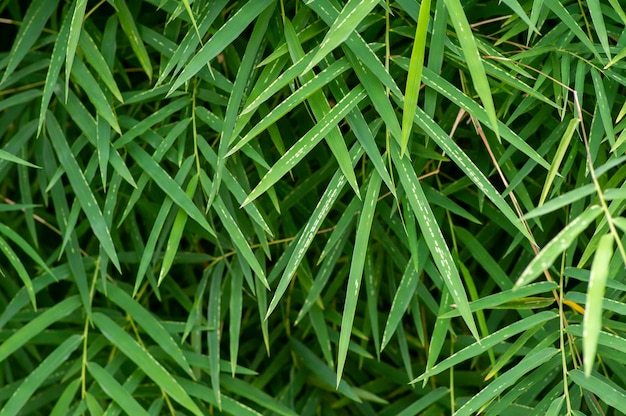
(472, 57)
(557, 245)
(37, 325)
(307, 143)
(145, 361)
(40, 375)
(169, 186)
(81, 188)
(115, 390)
(224, 36)
(76, 26)
(433, 236)
(356, 269)
(130, 29)
(34, 22)
(414, 80)
(149, 323)
(607, 391)
(592, 320)
(487, 342)
(345, 24)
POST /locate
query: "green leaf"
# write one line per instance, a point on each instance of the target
(36, 378)
(4, 155)
(87, 82)
(144, 360)
(34, 22)
(356, 269)
(433, 236)
(115, 390)
(169, 186)
(149, 323)
(557, 245)
(173, 242)
(81, 188)
(592, 320)
(558, 158)
(317, 366)
(213, 337)
(414, 80)
(488, 342)
(606, 390)
(37, 325)
(473, 59)
(528, 364)
(94, 57)
(224, 36)
(130, 29)
(345, 24)
(308, 233)
(76, 28)
(307, 143)
(19, 268)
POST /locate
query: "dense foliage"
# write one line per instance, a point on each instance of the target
(312, 207)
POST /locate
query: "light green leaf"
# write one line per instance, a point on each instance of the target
(223, 37)
(76, 26)
(302, 243)
(606, 390)
(557, 245)
(528, 364)
(173, 242)
(488, 342)
(473, 59)
(345, 24)
(62, 406)
(115, 390)
(414, 80)
(149, 323)
(94, 57)
(54, 69)
(561, 201)
(87, 82)
(592, 320)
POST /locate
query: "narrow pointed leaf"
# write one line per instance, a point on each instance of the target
(345, 24)
(433, 236)
(37, 325)
(307, 143)
(29, 31)
(129, 27)
(81, 188)
(414, 80)
(473, 59)
(144, 360)
(557, 245)
(115, 390)
(592, 320)
(224, 36)
(356, 269)
(169, 186)
(36, 378)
